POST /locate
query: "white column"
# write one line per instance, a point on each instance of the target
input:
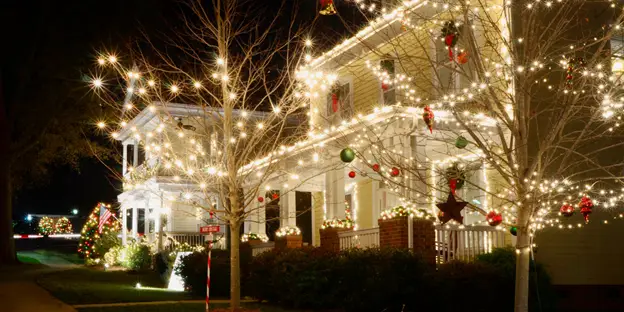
(125, 159)
(335, 188)
(288, 208)
(135, 150)
(261, 218)
(135, 222)
(124, 227)
(146, 222)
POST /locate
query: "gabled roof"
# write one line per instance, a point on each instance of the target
(381, 30)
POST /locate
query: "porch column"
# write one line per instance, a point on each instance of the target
(124, 225)
(135, 150)
(125, 159)
(135, 222)
(335, 193)
(288, 208)
(261, 218)
(146, 223)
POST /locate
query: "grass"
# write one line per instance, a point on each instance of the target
(27, 260)
(86, 285)
(179, 307)
(70, 257)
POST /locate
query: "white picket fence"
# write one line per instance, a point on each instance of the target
(368, 238)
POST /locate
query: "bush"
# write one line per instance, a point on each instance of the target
(107, 240)
(386, 279)
(192, 269)
(136, 256)
(542, 296)
(112, 256)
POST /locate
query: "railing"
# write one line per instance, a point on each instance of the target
(466, 243)
(172, 239)
(367, 238)
(260, 248)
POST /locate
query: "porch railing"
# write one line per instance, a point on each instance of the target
(468, 242)
(367, 238)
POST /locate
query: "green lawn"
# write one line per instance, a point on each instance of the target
(178, 307)
(70, 257)
(85, 286)
(27, 260)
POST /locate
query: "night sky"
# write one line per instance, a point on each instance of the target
(83, 28)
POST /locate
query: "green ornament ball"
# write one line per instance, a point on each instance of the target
(347, 155)
(461, 142)
(513, 230)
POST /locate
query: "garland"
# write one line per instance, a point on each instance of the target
(254, 236)
(288, 230)
(400, 211)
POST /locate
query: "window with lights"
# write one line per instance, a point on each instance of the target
(453, 72)
(339, 103)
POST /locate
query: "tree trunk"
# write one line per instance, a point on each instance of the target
(523, 250)
(235, 265)
(7, 245)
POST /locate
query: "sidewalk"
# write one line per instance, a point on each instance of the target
(20, 293)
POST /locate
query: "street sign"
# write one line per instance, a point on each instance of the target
(209, 229)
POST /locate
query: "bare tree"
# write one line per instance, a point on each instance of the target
(235, 64)
(519, 95)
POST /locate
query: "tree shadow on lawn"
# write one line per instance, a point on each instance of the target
(87, 285)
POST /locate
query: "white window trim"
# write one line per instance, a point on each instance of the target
(393, 57)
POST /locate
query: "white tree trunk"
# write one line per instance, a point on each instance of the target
(234, 265)
(523, 252)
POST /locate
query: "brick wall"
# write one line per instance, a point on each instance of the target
(289, 241)
(330, 239)
(394, 233)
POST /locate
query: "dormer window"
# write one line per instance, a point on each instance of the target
(388, 90)
(340, 101)
(450, 75)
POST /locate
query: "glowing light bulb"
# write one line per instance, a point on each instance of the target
(101, 125)
(174, 88)
(101, 61)
(220, 61)
(97, 82)
(197, 84)
(112, 59)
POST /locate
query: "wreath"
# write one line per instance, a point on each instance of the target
(455, 177)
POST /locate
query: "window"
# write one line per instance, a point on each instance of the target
(340, 101)
(451, 76)
(388, 89)
(617, 55)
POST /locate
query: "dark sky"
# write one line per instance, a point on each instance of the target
(84, 27)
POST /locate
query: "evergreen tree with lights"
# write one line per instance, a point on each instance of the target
(90, 234)
(46, 226)
(63, 226)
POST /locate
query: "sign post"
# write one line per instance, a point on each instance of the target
(209, 229)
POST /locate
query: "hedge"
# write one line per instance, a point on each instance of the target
(387, 279)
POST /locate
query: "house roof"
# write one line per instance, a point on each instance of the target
(377, 32)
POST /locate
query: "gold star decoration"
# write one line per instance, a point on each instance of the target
(451, 210)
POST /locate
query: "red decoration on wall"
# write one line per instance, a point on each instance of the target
(260, 198)
(567, 210)
(395, 171)
(428, 118)
(334, 102)
(494, 218)
(376, 167)
(448, 40)
(586, 206)
(352, 174)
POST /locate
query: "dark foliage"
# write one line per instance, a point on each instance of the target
(193, 271)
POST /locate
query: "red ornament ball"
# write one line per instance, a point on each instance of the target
(494, 218)
(395, 171)
(376, 167)
(260, 198)
(567, 210)
(352, 174)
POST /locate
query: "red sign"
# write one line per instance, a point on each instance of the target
(209, 229)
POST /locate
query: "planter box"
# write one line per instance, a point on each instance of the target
(330, 239)
(289, 241)
(394, 233)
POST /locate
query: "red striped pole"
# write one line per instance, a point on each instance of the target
(208, 272)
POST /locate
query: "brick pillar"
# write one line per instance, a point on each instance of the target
(289, 241)
(394, 232)
(330, 239)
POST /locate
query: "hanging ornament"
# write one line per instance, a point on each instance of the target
(275, 196)
(327, 7)
(384, 87)
(567, 210)
(494, 218)
(351, 174)
(260, 199)
(335, 96)
(347, 155)
(376, 167)
(395, 172)
(461, 142)
(513, 230)
(428, 118)
(451, 210)
(575, 65)
(462, 57)
(456, 177)
(586, 206)
(450, 35)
